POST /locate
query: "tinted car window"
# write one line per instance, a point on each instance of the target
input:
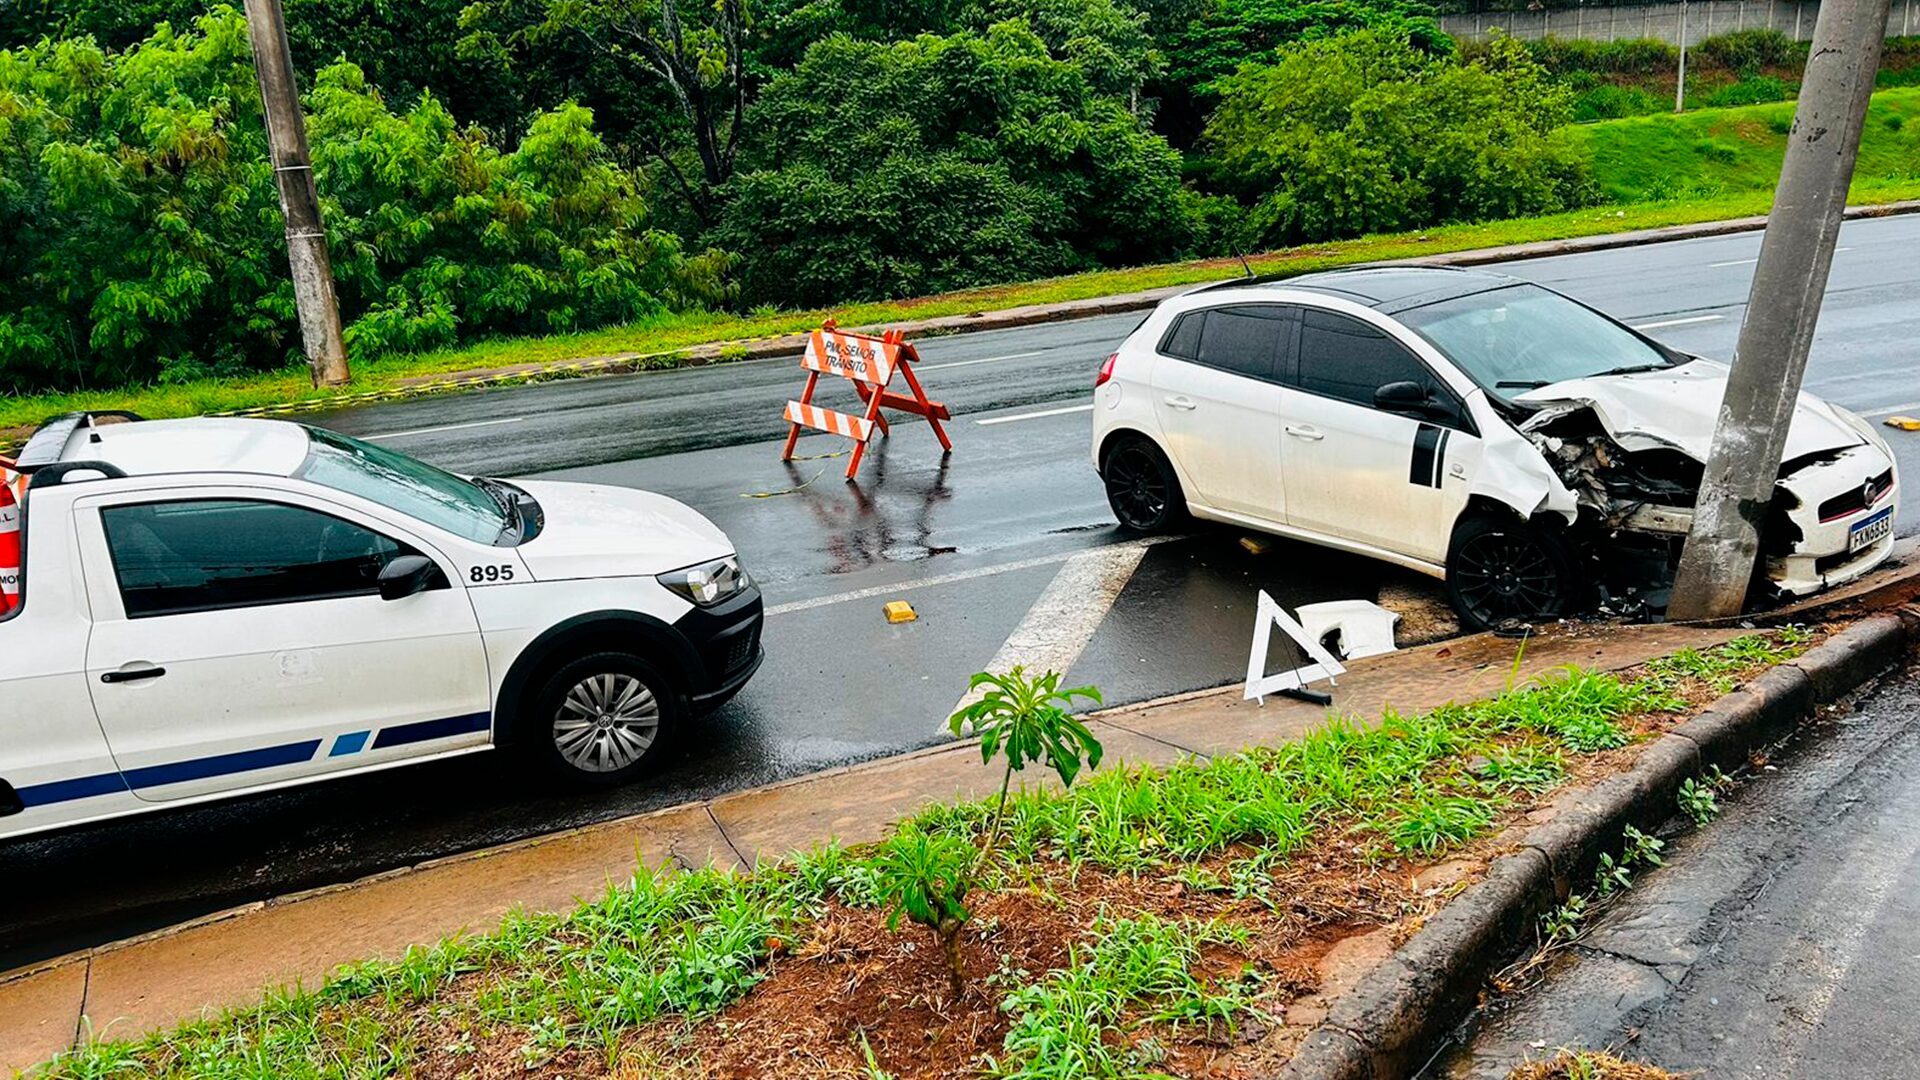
(1183, 340)
(203, 555)
(1245, 340)
(1344, 358)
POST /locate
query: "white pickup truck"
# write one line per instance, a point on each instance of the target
(218, 607)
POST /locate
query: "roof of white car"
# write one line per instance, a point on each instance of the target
(1387, 288)
(148, 447)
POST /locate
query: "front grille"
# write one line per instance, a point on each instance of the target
(740, 652)
(1858, 499)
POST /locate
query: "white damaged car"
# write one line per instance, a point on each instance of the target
(1540, 456)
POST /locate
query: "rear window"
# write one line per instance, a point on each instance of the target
(1248, 340)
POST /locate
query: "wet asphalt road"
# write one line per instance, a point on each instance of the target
(1781, 941)
(973, 541)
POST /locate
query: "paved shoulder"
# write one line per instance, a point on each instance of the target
(1781, 941)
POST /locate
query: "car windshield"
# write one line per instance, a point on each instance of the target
(405, 484)
(1523, 337)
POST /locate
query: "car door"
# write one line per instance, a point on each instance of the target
(1217, 400)
(1394, 479)
(239, 638)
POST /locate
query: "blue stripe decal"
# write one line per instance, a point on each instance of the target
(267, 757)
(80, 787)
(180, 772)
(351, 743)
(432, 729)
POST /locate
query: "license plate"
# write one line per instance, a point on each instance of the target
(1870, 531)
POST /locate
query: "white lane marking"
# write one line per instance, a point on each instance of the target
(1689, 321)
(435, 430)
(948, 579)
(1035, 415)
(1889, 410)
(1061, 622)
(1755, 259)
(983, 360)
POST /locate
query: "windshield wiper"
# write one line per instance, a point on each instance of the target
(1631, 369)
(1520, 384)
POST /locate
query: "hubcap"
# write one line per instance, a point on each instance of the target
(606, 723)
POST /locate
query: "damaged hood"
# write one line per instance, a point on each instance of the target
(1677, 408)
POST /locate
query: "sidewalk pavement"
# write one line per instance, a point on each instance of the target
(130, 988)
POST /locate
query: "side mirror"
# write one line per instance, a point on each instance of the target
(1400, 396)
(1409, 397)
(409, 574)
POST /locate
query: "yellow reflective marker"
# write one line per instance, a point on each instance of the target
(1904, 423)
(899, 611)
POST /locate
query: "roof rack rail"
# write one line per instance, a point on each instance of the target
(49, 441)
(57, 473)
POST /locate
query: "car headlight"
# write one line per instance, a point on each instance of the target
(709, 583)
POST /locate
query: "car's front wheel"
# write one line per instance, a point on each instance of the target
(1501, 569)
(1141, 486)
(604, 719)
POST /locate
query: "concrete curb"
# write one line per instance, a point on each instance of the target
(1386, 1025)
(1005, 318)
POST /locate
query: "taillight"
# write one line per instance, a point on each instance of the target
(1106, 371)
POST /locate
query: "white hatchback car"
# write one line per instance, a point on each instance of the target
(1538, 455)
(216, 607)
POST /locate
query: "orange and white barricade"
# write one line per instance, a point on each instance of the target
(10, 521)
(869, 363)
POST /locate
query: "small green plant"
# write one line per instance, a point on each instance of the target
(927, 876)
(1698, 801)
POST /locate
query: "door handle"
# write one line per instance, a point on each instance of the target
(1310, 434)
(135, 675)
(1181, 401)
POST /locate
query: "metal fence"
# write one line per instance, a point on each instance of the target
(1662, 20)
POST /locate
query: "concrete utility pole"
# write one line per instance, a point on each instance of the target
(1788, 285)
(1680, 85)
(299, 201)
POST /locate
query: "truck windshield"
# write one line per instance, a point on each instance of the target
(405, 484)
(1523, 337)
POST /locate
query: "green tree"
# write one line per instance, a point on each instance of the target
(1221, 35)
(141, 233)
(1365, 132)
(942, 162)
(694, 51)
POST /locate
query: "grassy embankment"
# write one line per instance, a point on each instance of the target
(1145, 920)
(1702, 166)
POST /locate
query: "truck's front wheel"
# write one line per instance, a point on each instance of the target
(604, 719)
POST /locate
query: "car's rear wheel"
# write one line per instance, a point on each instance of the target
(1501, 569)
(604, 719)
(1141, 486)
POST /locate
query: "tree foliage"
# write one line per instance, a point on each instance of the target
(523, 166)
(1365, 132)
(143, 235)
(887, 169)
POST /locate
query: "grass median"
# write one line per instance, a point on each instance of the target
(1145, 920)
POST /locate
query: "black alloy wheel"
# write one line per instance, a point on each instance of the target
(1141, 487)
(1501, 571)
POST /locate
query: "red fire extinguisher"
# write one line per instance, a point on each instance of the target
(9, 545)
